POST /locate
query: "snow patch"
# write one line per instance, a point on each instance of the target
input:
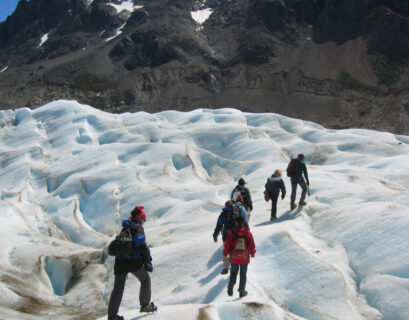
(125, 5)
(117, 33)
(43, 40)
(200, 16)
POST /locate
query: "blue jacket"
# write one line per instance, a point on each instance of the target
(303, 170)
(242, 210)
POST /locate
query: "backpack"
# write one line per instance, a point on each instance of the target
(240, 248)
(266, 196)
(122, 245)
(231, 217)
(236, 193)
(242, 211)
(240, 190)
(292, 168)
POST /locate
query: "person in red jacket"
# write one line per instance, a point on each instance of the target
(239, 245)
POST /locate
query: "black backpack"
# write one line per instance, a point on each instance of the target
(122, 245)
(231, 217)
(293, 168)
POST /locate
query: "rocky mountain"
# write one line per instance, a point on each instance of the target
(341, 63)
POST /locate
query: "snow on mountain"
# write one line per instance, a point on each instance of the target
(70, 174)
(44, 39)
(200, 16)
(125, 5)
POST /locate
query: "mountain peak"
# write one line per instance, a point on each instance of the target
(342, 64)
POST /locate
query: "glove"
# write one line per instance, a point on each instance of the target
(252, 255)
(251, 208)
(147, 264)
(282, 196)
(215, 238)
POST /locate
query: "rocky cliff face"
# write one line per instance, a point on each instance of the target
(340, 63)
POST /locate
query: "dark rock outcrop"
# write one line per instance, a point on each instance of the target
(339, 63)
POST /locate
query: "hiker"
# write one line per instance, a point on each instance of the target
(274, 185)
(138, 264)
(298, 179)
(239, 246)
(245, 193)
(225, 223)
(240, 207)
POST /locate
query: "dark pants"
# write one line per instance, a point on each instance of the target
(119, 286)
(274, 199)
(234, 270)
(294, 182)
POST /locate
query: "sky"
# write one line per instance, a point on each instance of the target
(71, 173)
(7, 7)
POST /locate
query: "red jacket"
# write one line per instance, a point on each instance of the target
(239, 256)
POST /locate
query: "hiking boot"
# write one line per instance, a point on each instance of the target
(273, 218)
(230, 290)
(225, 271)
(118, 317)
(303, 203)
(293, 206)
(149, 308)
(242, 293)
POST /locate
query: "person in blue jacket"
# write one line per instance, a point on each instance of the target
(299, 180)
(139, 263)
(225, 222)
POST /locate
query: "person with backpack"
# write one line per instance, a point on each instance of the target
(240, 209)
(274, 185)
(225, 222)
(245, 193)
(239, 245)
(295, 170)
(138, 262)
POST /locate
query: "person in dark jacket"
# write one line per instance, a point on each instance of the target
(274, 185)
(138, 264)
(245, 193)
(299, 180)
(225, 222)
(239, 245)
